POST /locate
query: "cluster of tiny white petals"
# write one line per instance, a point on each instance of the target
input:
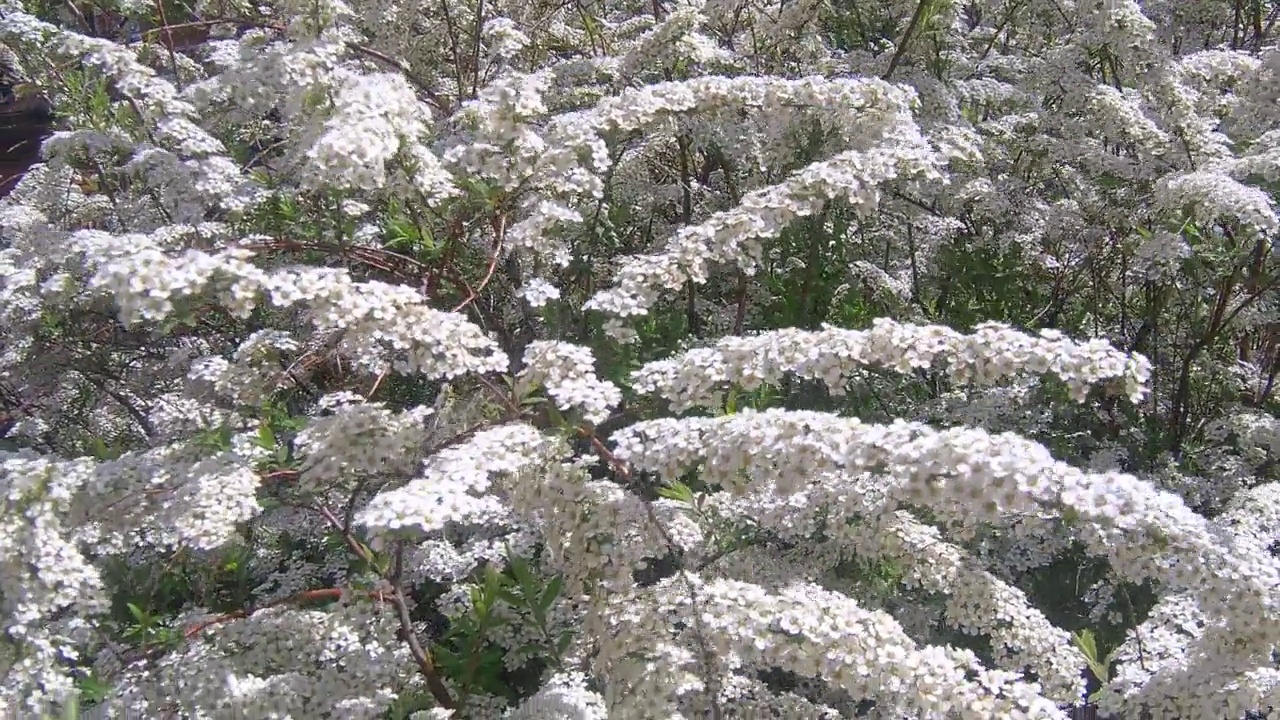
(991, 353)
(282, 662)
(198, 158)
(568, 372)
(278, 362)
(375, 115)
(980, 603)
(564, 697)
(252, 372)
(1160, 255)
(175, 416)
(737, 235)
(1213, 196)
(968, 473)
(359, 439)
(177, 496)
(1256, 435)
(814, 633)
(673, 38)
(52, 591)
(380, 324)
(597, 531)
(538, 292)
(454, 484)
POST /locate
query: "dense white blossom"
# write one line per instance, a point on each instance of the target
(684, 359)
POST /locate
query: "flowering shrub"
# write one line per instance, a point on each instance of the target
(488, 359)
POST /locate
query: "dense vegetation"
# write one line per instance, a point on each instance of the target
(727, 359)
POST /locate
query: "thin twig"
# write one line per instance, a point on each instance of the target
(395, 595)
(499, 228)
(901, 50)
(173, 55)
(621, 470)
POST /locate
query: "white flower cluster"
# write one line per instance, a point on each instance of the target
(52, 592)
(1213, 196)
(358, 439)
(737, 235)
(1256, 435)
(187, 164)
(674, 38)
(282, 663)
(568, 372)
(563, 696)
(175, 417)
(967, 473)
(1160, 255)
(146, 283)
(538, 292)
(812, 632)
(1177, 661)
(454, 486)
(1091, 168)
(374, 116)
(252, 372)
(993, 352)
(979, 603)
(177, 497)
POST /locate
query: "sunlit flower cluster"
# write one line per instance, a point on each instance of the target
(545, 361)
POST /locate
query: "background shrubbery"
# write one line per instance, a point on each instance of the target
(343, 349)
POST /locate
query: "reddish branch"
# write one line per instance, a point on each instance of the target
(303, 597)
(499, 231)
(377, 258)
(394, 594)
(619, 468)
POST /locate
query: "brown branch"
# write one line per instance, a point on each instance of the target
(740, 313)
(619, 468)
(499, 228)
(396, 596)
(306, 596)
(901, 50)
(168, 35)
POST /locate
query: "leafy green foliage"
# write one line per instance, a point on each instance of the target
(980, 284)
(468, 654)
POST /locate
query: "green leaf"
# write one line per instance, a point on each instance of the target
(91, 688)
(677, 491)
(446, 657)
(566, 637)
(479, 602)
(520, 569)
(494, 580)
(266, 438)
(1087, 644)
(1070, 515)
(138, 614)
(731, 401)
(553, 413)
(550, 593)
(492, 685)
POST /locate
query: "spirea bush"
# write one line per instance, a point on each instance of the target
(538, 360)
